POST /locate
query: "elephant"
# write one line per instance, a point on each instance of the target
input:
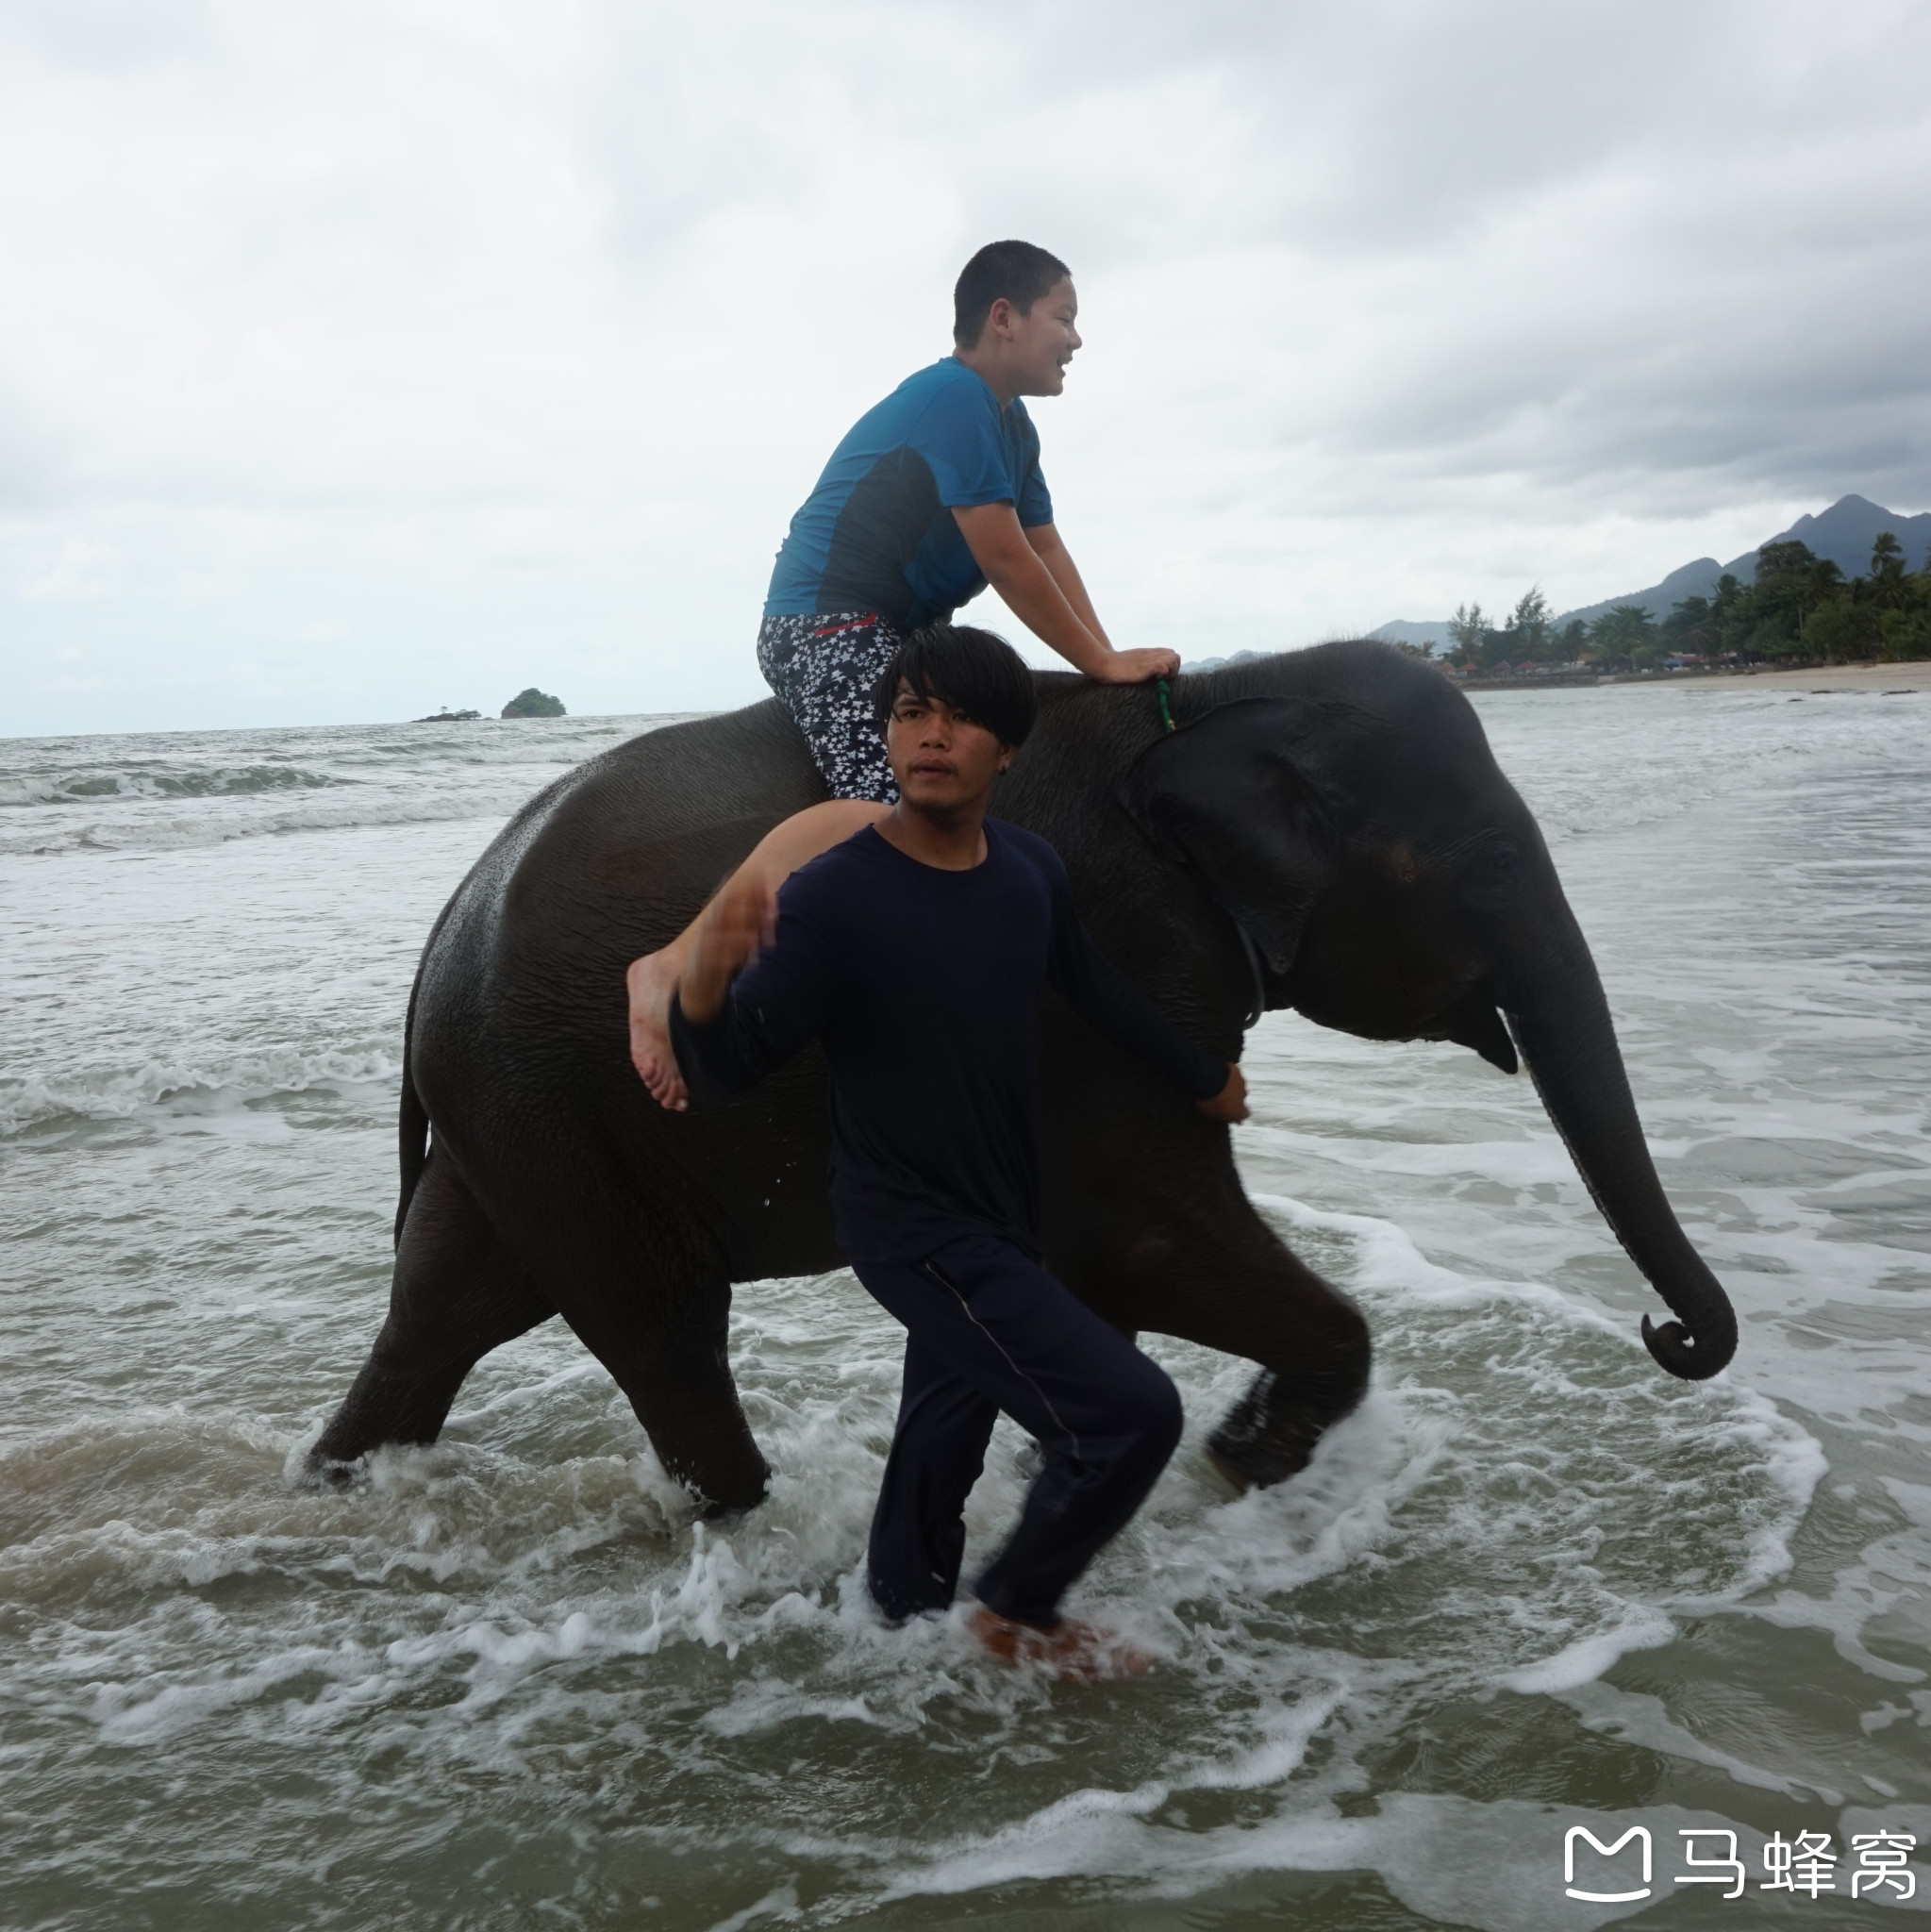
(1323, 829)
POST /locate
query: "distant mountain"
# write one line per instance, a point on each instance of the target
(1402, 632)
(1698, 579)
(1221, 663)
(1843, 533)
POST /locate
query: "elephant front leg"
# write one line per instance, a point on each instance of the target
(1270, 1434)
(1224, 1281)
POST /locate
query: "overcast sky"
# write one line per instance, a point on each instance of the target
(363, 358)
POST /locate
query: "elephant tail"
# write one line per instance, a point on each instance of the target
(412, 1122)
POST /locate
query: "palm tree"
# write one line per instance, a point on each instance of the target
(1626, 635)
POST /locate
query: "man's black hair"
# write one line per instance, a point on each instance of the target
(1015, 269)
(981, 676)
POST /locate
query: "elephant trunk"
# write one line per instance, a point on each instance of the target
(1566, 1037)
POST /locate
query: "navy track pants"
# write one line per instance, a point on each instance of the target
(989, 1329)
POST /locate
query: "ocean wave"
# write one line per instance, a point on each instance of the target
(1480, 1863)
(1531, 1572)
(1497, 1462)
(161, 834)
(147, 782)
(530, 1603)
(163, 791)
(120, 1093)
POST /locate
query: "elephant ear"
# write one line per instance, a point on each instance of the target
(1237, 797)
(1473, 1022)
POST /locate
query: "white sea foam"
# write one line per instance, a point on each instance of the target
(184, 790)
(370, 1074)
(1496, 1865)
(1528, 1575)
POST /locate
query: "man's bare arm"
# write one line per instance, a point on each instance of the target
(1018, 571)
(728, 935)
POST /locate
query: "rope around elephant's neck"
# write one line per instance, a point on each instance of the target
(1258, 1004)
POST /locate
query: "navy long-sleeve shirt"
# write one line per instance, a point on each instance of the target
(923, 986)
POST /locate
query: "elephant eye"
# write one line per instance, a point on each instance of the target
(1492, 876)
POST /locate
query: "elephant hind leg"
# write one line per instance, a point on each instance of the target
(456, 1293)
(675, 1369)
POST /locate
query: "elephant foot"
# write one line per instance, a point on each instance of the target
(1265, 1440)
(321, 1470)
(725, 1513)
(1227, 1472)
(723, 1495)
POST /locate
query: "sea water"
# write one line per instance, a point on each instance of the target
(509, 1681)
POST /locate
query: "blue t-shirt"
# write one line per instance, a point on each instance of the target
(877, 533)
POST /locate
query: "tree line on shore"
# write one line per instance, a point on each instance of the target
(1801, 610)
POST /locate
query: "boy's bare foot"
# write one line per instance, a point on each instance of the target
(1075, 1652)
(651, 981)
(654, 978)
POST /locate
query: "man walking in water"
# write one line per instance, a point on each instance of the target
(916, 951)
(934, 493)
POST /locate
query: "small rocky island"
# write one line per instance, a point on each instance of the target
(533, 703)
(449, 718)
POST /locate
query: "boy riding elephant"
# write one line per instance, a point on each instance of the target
(933, 494)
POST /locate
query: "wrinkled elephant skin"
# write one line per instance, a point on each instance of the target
(1327, 830)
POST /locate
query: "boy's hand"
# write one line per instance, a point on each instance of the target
(1135, 667)
(729, 934)
(1229, 1104)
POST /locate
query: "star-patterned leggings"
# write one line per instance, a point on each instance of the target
(824, 668)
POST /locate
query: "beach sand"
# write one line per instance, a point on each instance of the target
(1879, 677)
(1836, 677)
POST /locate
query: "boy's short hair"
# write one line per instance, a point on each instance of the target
(1015, 269)
(980, 676)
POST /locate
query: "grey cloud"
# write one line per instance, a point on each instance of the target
(108, 35)
(1384, 298)
(1756, 318)
(33, 455)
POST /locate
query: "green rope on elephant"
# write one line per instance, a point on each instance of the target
(1257, 1005)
